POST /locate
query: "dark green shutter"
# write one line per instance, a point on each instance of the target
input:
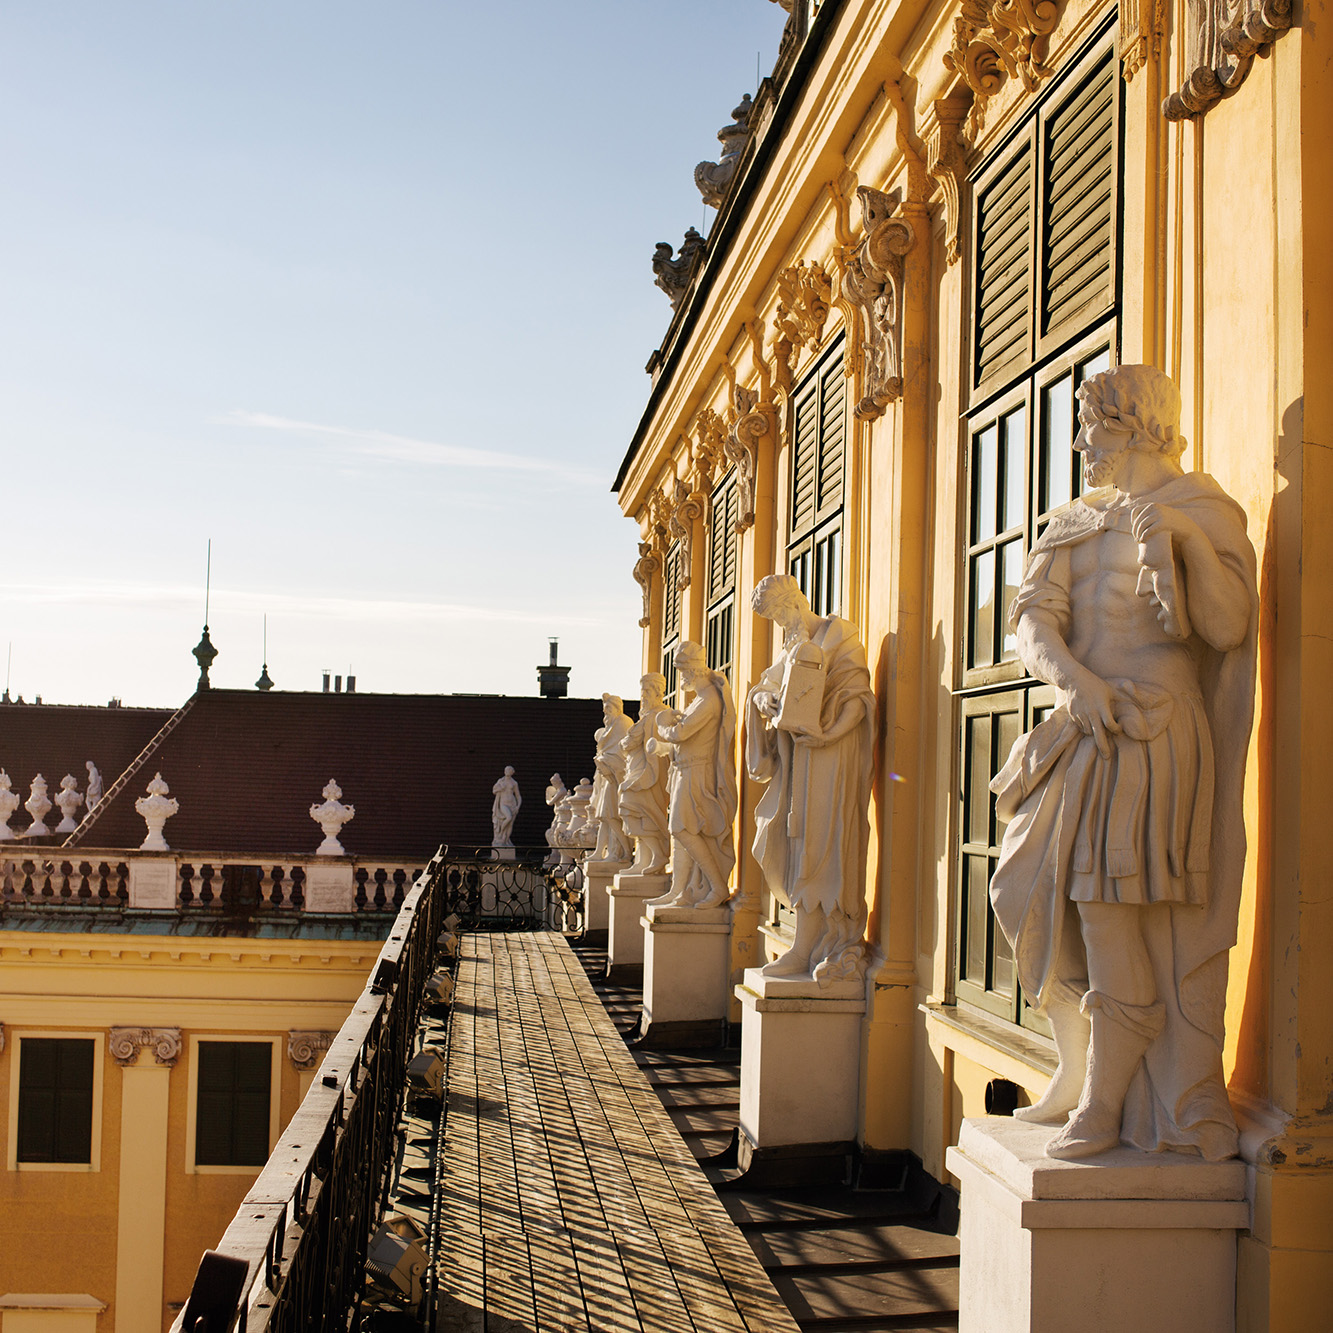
(833, 394)
(805, 461)
(1004, 268)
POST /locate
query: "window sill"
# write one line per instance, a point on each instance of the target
(1012, 1052)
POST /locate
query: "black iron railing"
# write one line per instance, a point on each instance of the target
(293, 1257)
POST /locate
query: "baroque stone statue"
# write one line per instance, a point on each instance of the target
(1119, 876)
(68, 798)
(701, 784)
(38, 805)
(94, 784)
(674, 276)
(504, 809)
(643, 789)
(609, 762)
(155, 809)
(810, 731)
(331, 814)
(9, 802)
(556, 792)
(714, 179)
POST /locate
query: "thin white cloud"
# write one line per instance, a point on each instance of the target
(295, 605)
(383, 445)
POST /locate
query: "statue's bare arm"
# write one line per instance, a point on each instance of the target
(1089, 699)
(1219, 608)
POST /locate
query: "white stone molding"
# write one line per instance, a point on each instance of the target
(9, 802)
(998, 40)
(1224, 36)
(156, 808)
(126, 1043)
(715, 179)
(331, 816)
(68, 798)
(306, 1049)
(873, 285)
(804, 293)
(38, 806)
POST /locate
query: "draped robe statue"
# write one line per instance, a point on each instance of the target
(612, 844)
(643, 789)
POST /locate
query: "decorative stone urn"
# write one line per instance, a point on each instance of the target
(69, 800)
(38, 806)
(331, 816)
(9, 802)
(156, 808)
(581, 831)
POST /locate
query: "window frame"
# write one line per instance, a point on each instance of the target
(98, 1039)
(192, 1167)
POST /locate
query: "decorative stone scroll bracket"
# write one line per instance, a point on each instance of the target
(873, 286)
(997, 40)
(306, 1049)
(946, 162)
(126, 1043)
(753, 421)
(687, 507)
(1224, 38)
(644, 568)
(804, 293)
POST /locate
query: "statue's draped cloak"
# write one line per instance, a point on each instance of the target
(1178, 1098)
(702, 780)
(812, 826)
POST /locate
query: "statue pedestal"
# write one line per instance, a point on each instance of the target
(597, 877)
(502, 853)
(800, 1076)
(1124, 1240)
(624, 942)
(686, 968)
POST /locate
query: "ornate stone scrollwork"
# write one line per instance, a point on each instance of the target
(306, 1049)
(687, 507)
(1224, 37)
(714, 179)
(710, 434)
(804, 293)
(674, 276)
(126, 1043)
(995, 40)
(1141, 25)
(873, 284)
(946, 162)
(644, 568)
(753, 421)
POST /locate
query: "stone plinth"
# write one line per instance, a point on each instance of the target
(597, 877)
(686, 966)
(1121, 1241)
(329, 888)
(800, 1072)
(153, 882)
(627, 897)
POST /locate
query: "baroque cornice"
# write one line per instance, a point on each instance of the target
(997, 40)
(1223, 38)
(872, 285)
(126, 1043)
(306, 1049)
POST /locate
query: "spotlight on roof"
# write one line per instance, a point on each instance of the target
(439, 990)
(425, 1074)
(395, 1260)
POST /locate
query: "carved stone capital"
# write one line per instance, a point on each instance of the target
(752, 421)
(946, 162)
(997, 40)
(1223, 36)
(873, 286)
(306, 1049)
(804, 293)
(126, 1043)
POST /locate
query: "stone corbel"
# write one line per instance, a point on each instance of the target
(1142, 23)
(946, 158)
(804, 293)
(753, 420)
(873, 285)
(997, 40)
(687, 507)
(1224, 37)
(306, 1049)
(126, 1043)
(645, 567)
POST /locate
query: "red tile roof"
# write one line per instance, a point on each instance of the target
(246, 767)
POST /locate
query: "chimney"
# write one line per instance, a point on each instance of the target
(553, 679)
(337, 684)
(326, 682)
(351, 684)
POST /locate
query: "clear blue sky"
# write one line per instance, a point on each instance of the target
(362, 292)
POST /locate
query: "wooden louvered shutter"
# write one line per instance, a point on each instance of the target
(1078, 197)
(805, 461)
(671, 595)
(722, 540)
(1004, 269)
(832, 393)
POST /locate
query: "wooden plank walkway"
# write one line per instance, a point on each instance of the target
(569, 1200)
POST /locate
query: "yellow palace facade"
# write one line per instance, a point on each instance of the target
(942, 219)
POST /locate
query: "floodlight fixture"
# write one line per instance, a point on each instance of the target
(396, 1261)
(425, 1073)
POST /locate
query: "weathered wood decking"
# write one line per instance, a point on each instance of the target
(570, 1202)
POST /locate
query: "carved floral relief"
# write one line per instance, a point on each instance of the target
(804, 293)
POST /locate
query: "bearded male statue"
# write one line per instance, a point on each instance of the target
(810, 730)
(1119, 876)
